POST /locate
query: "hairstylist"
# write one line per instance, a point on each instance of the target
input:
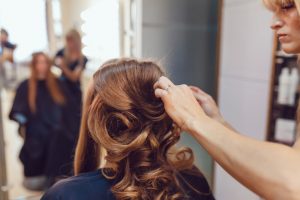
(268, 169)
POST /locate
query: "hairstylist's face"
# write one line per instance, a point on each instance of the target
(71, 43)
(42, 67)
(286, 24)
(3, 38)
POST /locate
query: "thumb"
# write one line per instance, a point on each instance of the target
(160, 93)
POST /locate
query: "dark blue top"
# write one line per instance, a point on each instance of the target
(73, 87)
(73, 95)
(94, 186)
(71, 65)
(91, 185)
(8, 45)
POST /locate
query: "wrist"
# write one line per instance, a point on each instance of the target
(195, 125)
(220, 119)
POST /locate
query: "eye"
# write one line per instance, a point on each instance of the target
(287, 6)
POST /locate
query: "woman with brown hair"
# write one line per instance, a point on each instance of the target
(126, 128)
(37, 108)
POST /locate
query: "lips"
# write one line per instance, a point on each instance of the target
(282, 37)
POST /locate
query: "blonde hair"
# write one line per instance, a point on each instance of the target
(275, 5)
(75, 36)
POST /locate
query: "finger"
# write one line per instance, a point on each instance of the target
(197, 97)
(184, 86)
(196, 89)
(200, 97)
(163, 83)
(160, 93)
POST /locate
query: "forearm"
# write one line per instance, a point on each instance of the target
(270, 170)
(71, 75)
(226, 124)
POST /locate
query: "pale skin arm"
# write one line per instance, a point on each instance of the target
(268, 169)
(209, 106)
(74, 75)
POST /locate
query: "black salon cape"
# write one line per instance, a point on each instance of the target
(40, 127)
(94, 186)
(65, 144)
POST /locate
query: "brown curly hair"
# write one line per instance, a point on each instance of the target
(123, 116)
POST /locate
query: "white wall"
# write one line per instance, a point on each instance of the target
(246, 59)
(182, 36)
(26, 28)
(71, 11)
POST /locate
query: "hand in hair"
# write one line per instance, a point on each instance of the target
(180, 103)
(59, 62)
(122, 115)
(74, 75)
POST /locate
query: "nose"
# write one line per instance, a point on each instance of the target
(276, 23)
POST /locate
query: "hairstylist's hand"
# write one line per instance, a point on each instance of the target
(58, 61)
(180, 103)
(207, 103)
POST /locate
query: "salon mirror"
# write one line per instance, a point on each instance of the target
(183, 35)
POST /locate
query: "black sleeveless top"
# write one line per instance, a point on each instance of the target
(94, 186)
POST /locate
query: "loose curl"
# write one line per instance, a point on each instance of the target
(122, 115)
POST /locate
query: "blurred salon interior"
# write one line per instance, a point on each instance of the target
(211, 44)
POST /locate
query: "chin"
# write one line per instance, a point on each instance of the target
(291, 50)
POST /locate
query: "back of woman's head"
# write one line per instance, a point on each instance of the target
(123, 116)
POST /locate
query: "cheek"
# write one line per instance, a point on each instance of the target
(294, 23)
(296, 37)
(42, 68)
(70, 44)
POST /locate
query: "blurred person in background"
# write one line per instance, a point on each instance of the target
(72, 63)
(37, 108)
(6, 58)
